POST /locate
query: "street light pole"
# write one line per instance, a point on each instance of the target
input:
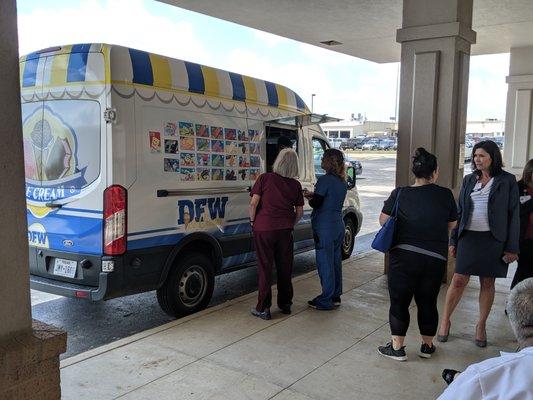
(312, 101)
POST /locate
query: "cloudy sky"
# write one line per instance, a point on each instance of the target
(343, 85)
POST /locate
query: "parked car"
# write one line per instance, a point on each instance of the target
(371, 144)
(337, 143)
(469, 145)
(386, 144)
(360, 144)
(353, 143)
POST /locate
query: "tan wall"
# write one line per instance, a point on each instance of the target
(436, 36)
(519, 113)
(14, 284)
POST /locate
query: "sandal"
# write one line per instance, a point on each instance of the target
(479, 342)
(444, 338)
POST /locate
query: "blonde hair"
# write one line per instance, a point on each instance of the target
(286, 164)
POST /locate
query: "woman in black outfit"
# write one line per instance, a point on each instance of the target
(486, 238)
(525, 262)
(426, 213)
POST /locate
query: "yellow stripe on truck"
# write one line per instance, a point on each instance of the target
(249, 88)
(161, 71)
(210, 80)
(58, 68)
(282, 97)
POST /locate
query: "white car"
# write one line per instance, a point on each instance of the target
(337, 143)
(372, 144)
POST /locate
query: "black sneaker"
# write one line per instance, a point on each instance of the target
(336, 301)
(388, 351)
(261, 314)
(426, 351)
(313, 304)
(285, 309)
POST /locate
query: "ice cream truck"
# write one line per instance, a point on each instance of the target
(138, 170)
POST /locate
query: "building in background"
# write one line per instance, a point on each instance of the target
(353, 129)
(490, 127)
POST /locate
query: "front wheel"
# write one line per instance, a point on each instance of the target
(188, 287)
(349, 238)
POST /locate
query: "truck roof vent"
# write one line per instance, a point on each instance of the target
(331, 42)
(49, 50)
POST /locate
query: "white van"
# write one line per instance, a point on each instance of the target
(138, 171)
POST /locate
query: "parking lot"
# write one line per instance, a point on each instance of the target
(374, 184)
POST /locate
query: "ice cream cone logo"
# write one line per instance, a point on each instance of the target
(49, 147)
(50, 160)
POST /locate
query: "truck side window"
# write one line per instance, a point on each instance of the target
(319, 146)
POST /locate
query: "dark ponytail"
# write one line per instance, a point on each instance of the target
(424, 164)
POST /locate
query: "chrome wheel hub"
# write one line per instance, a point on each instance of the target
(193, 285)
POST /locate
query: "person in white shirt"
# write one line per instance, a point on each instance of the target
(510, 375)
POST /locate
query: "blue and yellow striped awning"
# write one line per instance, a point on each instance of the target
(61, 66)
(79, 63)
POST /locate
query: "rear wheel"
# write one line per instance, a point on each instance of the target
(189, 286)
(349, 238)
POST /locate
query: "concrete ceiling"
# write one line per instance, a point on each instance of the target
(366, 28)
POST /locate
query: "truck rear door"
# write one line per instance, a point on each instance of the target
(63, 136)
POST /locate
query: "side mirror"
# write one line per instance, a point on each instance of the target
(350, 177)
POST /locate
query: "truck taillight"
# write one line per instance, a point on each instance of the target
(115, 220)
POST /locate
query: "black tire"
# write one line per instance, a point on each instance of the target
(188, 287)
(349, 238)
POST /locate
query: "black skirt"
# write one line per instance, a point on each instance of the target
(480, 254)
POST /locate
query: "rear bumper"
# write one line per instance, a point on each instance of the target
(70, 289)
(89, 281)
(135, 271)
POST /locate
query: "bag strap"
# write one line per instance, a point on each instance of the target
(396, 204)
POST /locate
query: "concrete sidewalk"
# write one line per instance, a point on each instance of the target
(225, 353)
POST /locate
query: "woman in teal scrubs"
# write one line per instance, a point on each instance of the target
(328, 227)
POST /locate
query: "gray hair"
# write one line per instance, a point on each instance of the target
(520, 311)
(286, 164)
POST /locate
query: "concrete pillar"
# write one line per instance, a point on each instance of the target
(15, 311)
(29, 351)
(436, 36)
(519, 115)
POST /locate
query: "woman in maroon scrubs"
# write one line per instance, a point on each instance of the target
(276, 206)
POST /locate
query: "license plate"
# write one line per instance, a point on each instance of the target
(66, 268)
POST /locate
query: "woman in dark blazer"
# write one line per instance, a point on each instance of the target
(485, 241)
(525, 262)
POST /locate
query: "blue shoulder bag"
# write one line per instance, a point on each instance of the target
(385, 236)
